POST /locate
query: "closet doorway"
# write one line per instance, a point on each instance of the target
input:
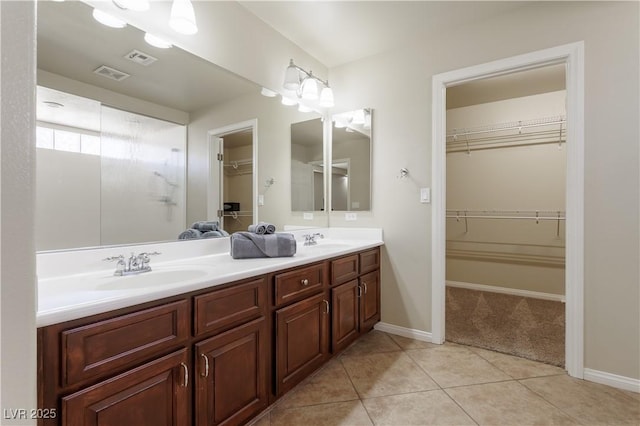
(232, 176)
(505, 214)
(570, 56)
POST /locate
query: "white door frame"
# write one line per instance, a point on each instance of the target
(216, 173)
(573, 56)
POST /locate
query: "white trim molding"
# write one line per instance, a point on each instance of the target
(610, 379)
(572, 55)
(411, 333)
(507, 290)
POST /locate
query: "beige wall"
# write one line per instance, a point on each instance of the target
(17, 178)
(402, 126)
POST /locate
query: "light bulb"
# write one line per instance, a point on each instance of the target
(108, 20)
(267, 92)
(304, 108)
(358, 117)
(288, 101)
(183, 18)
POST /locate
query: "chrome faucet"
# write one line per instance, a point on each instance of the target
(310, 239)
(136, 264)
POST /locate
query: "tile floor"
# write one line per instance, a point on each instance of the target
(383, 379)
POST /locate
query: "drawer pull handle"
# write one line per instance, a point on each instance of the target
(206, 366)
(186, 374)
(304, 281)
(365, 287)
(359, 291)
(326, 302)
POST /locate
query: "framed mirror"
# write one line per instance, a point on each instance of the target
(171, 88)
(307, 166)
(351, 160)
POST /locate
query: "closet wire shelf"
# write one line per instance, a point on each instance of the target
(537, 215)
(544, 130)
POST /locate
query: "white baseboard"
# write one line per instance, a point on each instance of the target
(505, 290)
(411, 333)
(609, 379)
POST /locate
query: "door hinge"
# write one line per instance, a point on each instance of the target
(220, 213)
(220, 157)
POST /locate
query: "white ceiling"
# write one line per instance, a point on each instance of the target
(339, 32)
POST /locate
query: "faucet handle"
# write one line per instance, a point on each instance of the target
(113, 258)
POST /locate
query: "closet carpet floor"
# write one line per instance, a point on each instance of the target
(383, 379)
(522, 326)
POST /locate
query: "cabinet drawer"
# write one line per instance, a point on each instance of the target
(298, 284)
(344, 269)
(369, 260)
(103, 347)
(222, 309)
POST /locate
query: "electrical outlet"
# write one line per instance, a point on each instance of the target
(351, 216)
(307, 216)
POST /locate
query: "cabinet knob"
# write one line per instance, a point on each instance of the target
(304, 282)
(206, 366)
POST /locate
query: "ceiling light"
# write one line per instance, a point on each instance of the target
(306, 85)
(268, 93)
(108, 20)
(183, 18)
(135, 5)
(157, 41)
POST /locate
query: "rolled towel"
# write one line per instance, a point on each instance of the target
(271, 228)
(257, 228)
(212, 234)
(204, 226)
(247, 245)
(223, 232)
(190, 234)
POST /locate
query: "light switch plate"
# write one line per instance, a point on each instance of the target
(261, 200)
(351, 216)
(307, 216)
(425, 195)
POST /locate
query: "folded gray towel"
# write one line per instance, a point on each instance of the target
(204, 226)
(190, 234)
(212, 234)
(262, 228)
(246, 245)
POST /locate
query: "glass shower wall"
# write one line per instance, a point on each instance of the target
(143, 196)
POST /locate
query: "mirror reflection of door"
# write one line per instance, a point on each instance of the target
(236, 182)
(307, 166)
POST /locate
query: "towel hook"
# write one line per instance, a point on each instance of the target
(404, 172)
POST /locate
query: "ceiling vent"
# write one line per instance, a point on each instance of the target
(111, 73)
(140, 58)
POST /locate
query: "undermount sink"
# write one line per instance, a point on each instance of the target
(154, 278)
(328, 245)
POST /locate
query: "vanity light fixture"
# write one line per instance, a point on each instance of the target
(288, 101)
(156, 41)
(183, 18)
(268, 93)
(135, 5)
(305, 85)
(108, 20)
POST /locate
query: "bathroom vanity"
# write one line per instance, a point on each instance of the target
(217, 354)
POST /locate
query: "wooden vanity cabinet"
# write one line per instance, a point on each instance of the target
(356, 303)
(301, 328)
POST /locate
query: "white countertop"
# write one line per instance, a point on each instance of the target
(76, 284)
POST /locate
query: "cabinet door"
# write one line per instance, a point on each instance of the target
(369, 300)
(154, 394)
(302, 341)
(231, 383)
(344, 318)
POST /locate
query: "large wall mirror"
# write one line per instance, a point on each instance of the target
(138, 119)
(351, 161)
